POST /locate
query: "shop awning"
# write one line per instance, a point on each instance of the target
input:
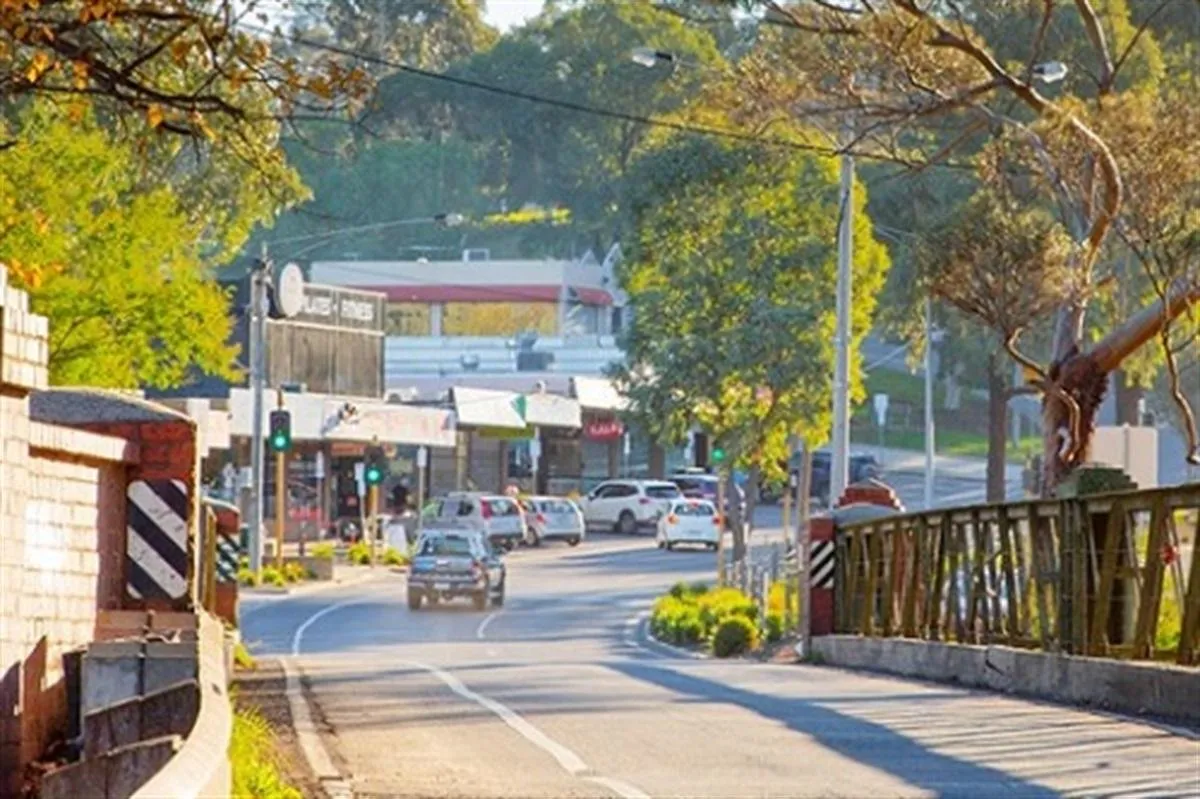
(597, 394)
(389, 423)
(551, 410)
(479, 407)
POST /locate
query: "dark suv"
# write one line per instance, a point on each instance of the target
(863, 466)
(701, 485)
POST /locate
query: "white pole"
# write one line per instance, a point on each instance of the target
(840, 474)
(258, 345)
(930, 450)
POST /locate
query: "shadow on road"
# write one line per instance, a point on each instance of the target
(868, 743)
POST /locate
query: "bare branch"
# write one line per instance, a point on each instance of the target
(1095, 32)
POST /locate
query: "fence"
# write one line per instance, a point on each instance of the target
(1110, 575)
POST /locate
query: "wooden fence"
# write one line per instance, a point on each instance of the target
(1110, 575)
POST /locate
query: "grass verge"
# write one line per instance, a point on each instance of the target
(255, 758)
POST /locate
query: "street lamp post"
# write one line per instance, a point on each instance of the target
(840, 445)
(930, 451)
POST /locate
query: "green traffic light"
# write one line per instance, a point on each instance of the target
(373, 475)
(718, 455)
(279, 442)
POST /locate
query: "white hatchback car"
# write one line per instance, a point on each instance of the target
(628, 505)
(689, 521)
(499, 517)
(550, 519)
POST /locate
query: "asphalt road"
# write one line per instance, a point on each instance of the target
(561, 694)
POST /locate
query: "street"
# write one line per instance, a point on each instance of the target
(562, 694)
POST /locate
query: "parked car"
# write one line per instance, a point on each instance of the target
(552, 518)
(453, 562)
(701, 485)
(863, 466)
(628, 505)
(499, 517)
(689, 521)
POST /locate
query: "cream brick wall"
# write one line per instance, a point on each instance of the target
(55, 485)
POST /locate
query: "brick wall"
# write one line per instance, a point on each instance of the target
(62, 500)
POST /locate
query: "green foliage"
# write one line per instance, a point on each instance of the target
(273, 576)
(242, 657)
(247, 577)
(359, 554)
(731, 278)
(118, 268)
(688, 614)
(735, 635)
(774, 627)
(294, 572)
(322, 549)
(394, 557)
(255, 759)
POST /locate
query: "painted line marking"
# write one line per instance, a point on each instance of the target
(619, 787)
(483, 625)
(637, 636)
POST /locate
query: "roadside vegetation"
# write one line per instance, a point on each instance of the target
(255, 759)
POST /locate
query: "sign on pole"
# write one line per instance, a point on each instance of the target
(360, 478)
(422, 457)
(881, 409)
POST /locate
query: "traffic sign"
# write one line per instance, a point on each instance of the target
(881, 409)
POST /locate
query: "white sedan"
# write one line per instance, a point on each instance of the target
(689, 521)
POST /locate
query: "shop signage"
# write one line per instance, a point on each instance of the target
(338, 307)
(507, 433)
(603, 430)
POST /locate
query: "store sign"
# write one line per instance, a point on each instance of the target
(603, 430)
(506, 433)
(344, 308)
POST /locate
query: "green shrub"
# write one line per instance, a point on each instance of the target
(679, 590)
(734, 636)
(697, 588)
(722, 603)
(242, 657)
(360, 554)
(246, 576)
(322, 549)
(272, 576)
(394, 557)
(294, 572)
(255, 759)
(774, 627)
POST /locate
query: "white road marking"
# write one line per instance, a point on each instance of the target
(568, 760)
(635, 630)
(483, 625)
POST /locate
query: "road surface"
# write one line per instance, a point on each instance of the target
(561, 694)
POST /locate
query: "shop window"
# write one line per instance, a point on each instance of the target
(499, 318)
(408, 319)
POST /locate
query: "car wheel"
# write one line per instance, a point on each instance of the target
(480, 600)
(660, 543)
(713, 547)
(414, 599)
(670, 545)
(626, 523)
(573, 542)
(498, 599)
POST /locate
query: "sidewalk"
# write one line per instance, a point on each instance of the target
(906, 460)
(343, 575)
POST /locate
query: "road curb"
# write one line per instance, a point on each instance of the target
(316, 586)
(641, 630)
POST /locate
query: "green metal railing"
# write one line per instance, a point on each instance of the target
(1109, 575)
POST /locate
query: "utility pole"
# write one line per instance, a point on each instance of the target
(930, 450)
(257, 346)
(803, 509)
(840, 461)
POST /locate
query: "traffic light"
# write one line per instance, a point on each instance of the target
(280, 436)
(717, 455)
(376, 467)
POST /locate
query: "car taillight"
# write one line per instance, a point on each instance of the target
(672, 519)
(717, 520)
(644, 501)
(541, 517)
(486, 511)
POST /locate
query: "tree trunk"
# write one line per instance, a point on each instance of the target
(752, 496)
(1127, 398)
(736, 522)
(997, 427)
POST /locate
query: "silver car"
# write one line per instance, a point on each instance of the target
(499, 517)
(550, 519)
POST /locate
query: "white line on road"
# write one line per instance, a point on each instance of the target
(568, 760)
(483, 625)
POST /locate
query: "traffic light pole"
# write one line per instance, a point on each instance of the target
(372, 517)
(280, 493)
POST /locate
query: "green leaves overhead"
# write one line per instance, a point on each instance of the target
(732, 276)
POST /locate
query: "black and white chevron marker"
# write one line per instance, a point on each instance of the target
(821, 564)
(156, 561)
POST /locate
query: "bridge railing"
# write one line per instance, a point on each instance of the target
(1109, 575)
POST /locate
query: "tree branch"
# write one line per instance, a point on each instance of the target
(1095, 32)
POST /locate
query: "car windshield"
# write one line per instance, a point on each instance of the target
(694, 509)
(555, 506)
(663, 491)
(444, 545)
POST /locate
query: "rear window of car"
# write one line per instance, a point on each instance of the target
(670, 491)
(555, 506)
(503, 507)
(446, 545)
(694, 509)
